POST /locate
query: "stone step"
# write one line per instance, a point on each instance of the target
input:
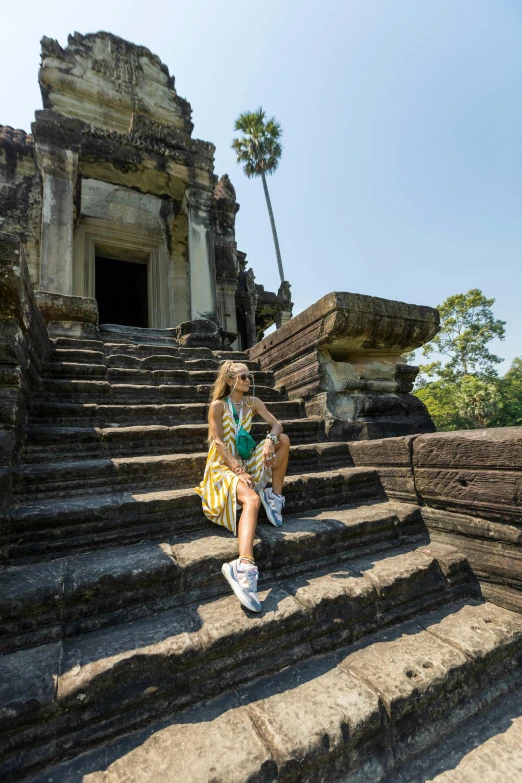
(78, 355)
(64, 443)
(125, 375)
(132, 386)
(487, 748)
(77, 344)
(172, 471)
(358, 711)
(137, 335)
(261, 378)
(233, 356)
(109, 413)
(74, 370)
(51, 527)
(110, 346)
(265, 393)
(139, 386)
(215, 363)
(179, 656)
(145, 350)
(202, 370)
(45, 601)
(143, 361)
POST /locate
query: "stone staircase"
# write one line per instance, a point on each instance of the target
(122, 652)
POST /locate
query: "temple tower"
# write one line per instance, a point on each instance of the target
(114, 200)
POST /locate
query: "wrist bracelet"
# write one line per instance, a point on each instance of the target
(272, 437)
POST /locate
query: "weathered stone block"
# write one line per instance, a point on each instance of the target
(476, 472)
(59, 307)
(203, 333)
(392, 457)
(343, 356)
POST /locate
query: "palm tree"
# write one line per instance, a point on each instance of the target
(259, 149)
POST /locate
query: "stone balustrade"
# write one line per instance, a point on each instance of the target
(469, 487)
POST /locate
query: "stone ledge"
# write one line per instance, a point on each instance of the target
(60, 307)
(353, 322)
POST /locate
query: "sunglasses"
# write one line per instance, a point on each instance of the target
(245, 377)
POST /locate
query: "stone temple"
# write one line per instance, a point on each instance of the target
(115, 200)
(389, 648)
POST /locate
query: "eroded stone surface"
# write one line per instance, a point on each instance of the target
(470, 486)
(343, 356)
(229, 749)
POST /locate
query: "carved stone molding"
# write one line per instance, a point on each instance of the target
(92, 234)
(57, 161)
(198, 199)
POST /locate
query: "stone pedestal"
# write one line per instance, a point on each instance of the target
(201, 254)
(58, 168)
(342, 356)
(69, 316)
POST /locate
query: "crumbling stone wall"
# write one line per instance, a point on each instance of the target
(24, 349)
(21, 193)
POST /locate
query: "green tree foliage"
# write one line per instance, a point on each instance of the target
(466, 391)
(467, 327)
(259, 149)
(510, 408)
(515, 371)
(439, 398)
(477, 400)
(473, 402)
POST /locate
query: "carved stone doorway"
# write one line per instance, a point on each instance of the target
(121, 291)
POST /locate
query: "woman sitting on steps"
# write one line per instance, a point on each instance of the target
(237, 471)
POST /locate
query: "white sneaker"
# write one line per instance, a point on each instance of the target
(273, 505)
(242, 578)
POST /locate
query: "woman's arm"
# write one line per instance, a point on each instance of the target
(259, 407)
(277, 428)
(216, 433)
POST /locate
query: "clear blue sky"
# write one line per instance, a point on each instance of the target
(401, 175)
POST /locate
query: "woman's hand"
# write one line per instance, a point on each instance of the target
(247, 479)
(268, 454)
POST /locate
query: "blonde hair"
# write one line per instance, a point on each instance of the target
(220, 386)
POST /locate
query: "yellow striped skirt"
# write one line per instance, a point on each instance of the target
(218, 488)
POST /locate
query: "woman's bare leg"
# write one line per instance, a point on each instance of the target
(280, 465)
(246, 529)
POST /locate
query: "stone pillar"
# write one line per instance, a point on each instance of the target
(282, 317)
(58, 168)
(284, 296)
(250, 316)
(227, 301)
(201, 254)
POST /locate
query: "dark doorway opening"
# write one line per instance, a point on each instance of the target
(121, 292)
(242, 329)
